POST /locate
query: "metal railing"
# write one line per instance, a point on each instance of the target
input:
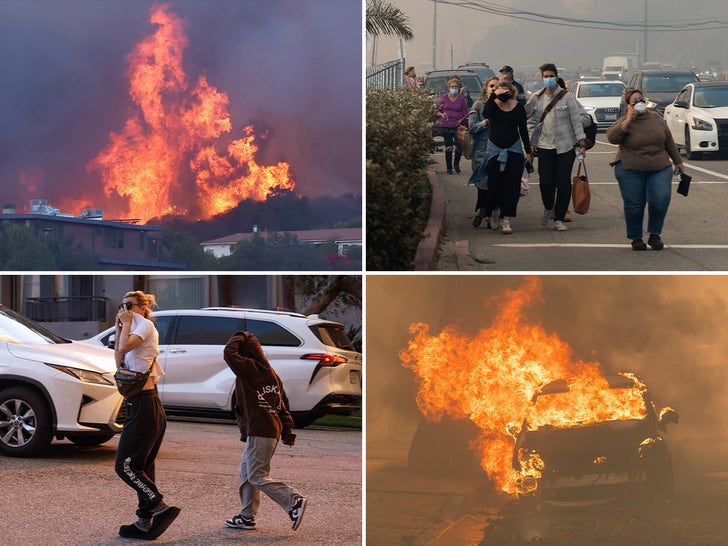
(386, 76)
(73, 309)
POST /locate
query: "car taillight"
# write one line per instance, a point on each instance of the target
(326, 359)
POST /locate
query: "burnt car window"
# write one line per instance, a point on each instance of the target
(270, 333)
(198, 330)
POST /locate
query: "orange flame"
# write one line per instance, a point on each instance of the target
(172, 140)
(491, 377)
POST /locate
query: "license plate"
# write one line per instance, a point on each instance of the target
(355, 376)
(611, 117)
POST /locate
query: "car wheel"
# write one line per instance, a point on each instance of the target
(688, 149)
(302, 420)
(25, 425)
(89, 440)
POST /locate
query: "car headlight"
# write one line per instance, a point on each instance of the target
(701, 125)
(589, 108)
(82, 375)
(651, 105)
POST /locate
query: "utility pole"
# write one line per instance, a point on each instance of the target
(434, 36)
(644, 37)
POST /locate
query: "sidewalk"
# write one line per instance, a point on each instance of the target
(593, 242)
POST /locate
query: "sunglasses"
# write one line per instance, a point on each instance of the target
(128, 305)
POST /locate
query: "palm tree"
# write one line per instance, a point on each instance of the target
(384, 18)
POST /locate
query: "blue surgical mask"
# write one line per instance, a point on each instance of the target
(454, 90)
(549, 82)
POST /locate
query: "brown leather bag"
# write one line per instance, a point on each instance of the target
(580, 193)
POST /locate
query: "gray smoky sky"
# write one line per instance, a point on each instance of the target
(469, 35)
(671, 330)
(290, 68)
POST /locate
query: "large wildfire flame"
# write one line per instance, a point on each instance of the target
(172, 142)
(491, 378)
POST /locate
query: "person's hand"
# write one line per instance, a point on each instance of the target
(631, 114)
(124, 317)
(680, 167)
(289, 439)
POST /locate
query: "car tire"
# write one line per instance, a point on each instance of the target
(688, 149)
(25, 424)
(302, 420)
(90, 440)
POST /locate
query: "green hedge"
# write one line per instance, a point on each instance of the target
(399, 144)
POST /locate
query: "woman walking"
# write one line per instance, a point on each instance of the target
(453, 108)
(643, 169)
(504, 159)
(137, 347)
(478, 126)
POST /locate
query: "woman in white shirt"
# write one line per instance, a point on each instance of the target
(137, 347)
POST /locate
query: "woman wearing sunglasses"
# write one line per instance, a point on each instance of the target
(137, 347)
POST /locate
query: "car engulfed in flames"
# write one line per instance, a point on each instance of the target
(563, 457)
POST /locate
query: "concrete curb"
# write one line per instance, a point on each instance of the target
(427, 250)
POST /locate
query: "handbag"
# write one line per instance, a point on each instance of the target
(580, 193)
(683, 185)
(130, 383)
(465, 138)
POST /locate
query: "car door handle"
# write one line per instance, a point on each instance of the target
(178, 350)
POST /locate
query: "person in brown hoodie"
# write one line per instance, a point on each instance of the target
(263, 419)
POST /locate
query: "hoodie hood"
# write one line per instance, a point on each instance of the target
(250, 347)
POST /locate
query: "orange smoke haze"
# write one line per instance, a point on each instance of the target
(169, 157)
(491, 377)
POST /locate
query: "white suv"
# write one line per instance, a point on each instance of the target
(50, 386)
(320, 368)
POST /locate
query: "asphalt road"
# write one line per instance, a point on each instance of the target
(71, 495)
(695, 232)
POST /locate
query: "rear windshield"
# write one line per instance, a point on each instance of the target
(333, 335)
(666, 83)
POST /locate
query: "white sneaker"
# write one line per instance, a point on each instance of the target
(559, 226)
(545, 217)
(506, 227)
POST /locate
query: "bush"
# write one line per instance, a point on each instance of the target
(399, 144)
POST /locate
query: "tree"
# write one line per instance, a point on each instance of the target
(22, 249)
(388, 20)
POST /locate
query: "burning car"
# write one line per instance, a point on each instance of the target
(574, 453)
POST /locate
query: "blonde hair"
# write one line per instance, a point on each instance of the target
(509, 85)
(484, 94)
(148, 301)
(454, 80)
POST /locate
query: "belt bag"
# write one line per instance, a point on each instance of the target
(130, 383)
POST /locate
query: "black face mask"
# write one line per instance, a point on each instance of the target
(503, 97)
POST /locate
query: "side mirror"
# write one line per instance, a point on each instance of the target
(680, 104)
(668, 415)
(111, 342)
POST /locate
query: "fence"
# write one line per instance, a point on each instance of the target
(79, 309)
(386, 76)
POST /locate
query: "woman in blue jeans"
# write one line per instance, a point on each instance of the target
(643, 168)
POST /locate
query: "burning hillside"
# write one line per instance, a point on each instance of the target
(175, 153)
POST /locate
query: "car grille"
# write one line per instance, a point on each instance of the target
(607, 115)
(722, 125)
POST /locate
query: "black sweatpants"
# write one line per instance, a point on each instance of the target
(139, 444)
(554, 178)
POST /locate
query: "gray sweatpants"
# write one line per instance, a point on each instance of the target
(254, 477)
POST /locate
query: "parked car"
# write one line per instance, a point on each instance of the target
(698, 118)
(53, 387)
(613, 457)
(320, 369)
(435, 81)
(659, 87)
(600, 99)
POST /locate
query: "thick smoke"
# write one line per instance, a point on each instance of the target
(286, 69)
